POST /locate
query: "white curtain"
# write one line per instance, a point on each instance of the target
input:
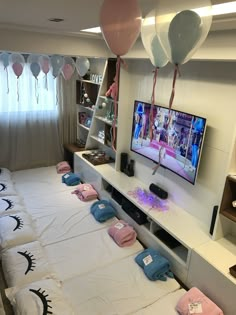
(29, 134)
(67, 109)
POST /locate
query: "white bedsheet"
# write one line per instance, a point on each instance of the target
(56, 226)
(86, 253)
(119, 288)
(38, 182)
(164, 306)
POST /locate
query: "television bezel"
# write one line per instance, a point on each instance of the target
(154, 161)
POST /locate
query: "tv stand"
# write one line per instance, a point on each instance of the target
(173, 232)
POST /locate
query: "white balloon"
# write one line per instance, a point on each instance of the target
(82, 65)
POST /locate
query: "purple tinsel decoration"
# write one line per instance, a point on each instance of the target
(147, 198)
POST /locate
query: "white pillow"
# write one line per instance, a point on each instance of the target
(38, 298)
(11, 204)
(25, 263)
(5, 174)
(15, 229)
(7, 188)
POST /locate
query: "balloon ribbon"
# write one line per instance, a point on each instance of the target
(116, 80)
(152, 103)
(176, 71)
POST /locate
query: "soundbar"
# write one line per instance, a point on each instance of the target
(161, 193)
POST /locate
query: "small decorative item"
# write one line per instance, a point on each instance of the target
(147, 198)
(82, 117)
(88, 122)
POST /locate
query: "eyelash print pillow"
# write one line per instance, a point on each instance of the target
(15, 229)
(10, 204)
(25, 263)
(5, 174)
(39, 298)
(7, 188)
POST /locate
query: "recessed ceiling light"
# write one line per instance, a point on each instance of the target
(56, 20)
(92, 30)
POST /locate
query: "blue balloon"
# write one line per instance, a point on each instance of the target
(184, 34)
(4, 57)
(159, 57)
(35, 69)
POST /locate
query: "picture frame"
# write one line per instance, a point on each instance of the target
(82, 117)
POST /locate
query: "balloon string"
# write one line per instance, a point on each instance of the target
(152, 102)
(46, 81)
(7, 81)
(116, 79)
(173, 86)
(36, 90)
(176, 71)
(18, 95)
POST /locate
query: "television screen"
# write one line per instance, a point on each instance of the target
(172, 138)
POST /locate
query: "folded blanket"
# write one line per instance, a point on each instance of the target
(85, 192)
(102, 210)
(122, 233)
(155, 266)
(63, 167)
(195, 302)
(70, 179)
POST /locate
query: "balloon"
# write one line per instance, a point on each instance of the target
(18, 69)
(182, 27)
(68, 68)
(4, 58)
(82, 65)
(33, 61)
(151, 42)
(120, 22)
(18, 62)
(57, 63)
(44, 62)
(35, 69)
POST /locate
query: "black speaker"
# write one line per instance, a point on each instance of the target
(123, 161)
(213, 219)
(161, 193)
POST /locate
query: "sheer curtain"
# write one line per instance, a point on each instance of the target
(29, 133)
(67, 109)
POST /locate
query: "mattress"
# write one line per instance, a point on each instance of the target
(38, 182)
(116, 289)
(86, 253)
(54, 225)
(164, 306)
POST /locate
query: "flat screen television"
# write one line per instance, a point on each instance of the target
(172, 138)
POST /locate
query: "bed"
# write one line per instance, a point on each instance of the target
(58, 248)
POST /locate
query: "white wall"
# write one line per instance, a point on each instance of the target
(207, 89)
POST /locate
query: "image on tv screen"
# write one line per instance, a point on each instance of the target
(172, 138)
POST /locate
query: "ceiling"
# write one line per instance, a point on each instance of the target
(34, 15)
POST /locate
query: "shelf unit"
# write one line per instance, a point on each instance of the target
(92, 114)
(229, 195)
(174, 232)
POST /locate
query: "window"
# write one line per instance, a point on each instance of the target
(26, 93)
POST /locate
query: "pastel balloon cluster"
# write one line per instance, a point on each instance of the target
(173, 31)
(58, 64)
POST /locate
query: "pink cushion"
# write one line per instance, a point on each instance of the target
(203, 303)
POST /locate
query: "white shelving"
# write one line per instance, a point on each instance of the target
(182, 232)
(92, 109)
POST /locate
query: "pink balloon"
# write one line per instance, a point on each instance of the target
(67, 71)
(120, 22)
(45, 66)
(17, 68)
